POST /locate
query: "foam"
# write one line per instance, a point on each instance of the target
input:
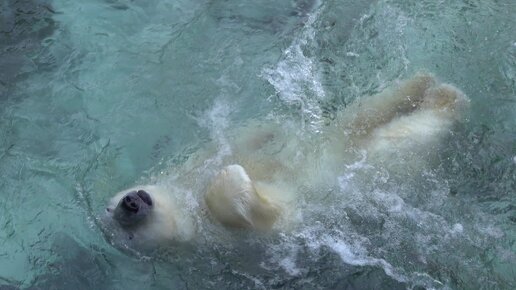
(296, 78)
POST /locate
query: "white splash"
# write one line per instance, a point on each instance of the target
(216, 121)
(295, 78)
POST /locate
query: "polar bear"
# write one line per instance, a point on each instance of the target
(258, 183)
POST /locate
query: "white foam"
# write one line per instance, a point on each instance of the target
(296, 75)
(457, 229)
(354, 254)
(289, 265)
(347, 255)
(216, 120)
(360, 163)
(345, 179)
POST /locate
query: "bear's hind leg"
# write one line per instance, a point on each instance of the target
(445, 99)
(368, 113)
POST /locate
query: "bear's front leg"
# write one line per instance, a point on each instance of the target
(233, 200)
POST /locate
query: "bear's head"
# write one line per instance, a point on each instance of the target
(133, 208)
(147, 216)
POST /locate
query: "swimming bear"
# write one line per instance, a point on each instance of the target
(257, 186)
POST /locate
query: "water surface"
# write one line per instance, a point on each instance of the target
(97, 96)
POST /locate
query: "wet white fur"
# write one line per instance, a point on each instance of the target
(442, 105)
(236, 201)
(257, 185)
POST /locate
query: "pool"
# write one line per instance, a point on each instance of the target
(98, 96)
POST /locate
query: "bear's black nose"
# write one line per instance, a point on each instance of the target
(130, 203)
(133, 208)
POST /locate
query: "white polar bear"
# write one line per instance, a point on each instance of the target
(257, 188)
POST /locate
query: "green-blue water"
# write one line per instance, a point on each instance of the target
(97, 96)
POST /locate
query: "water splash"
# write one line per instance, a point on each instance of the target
(296, 77)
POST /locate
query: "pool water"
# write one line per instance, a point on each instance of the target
(97, 96)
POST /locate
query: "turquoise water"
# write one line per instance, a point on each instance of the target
(99, 96)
